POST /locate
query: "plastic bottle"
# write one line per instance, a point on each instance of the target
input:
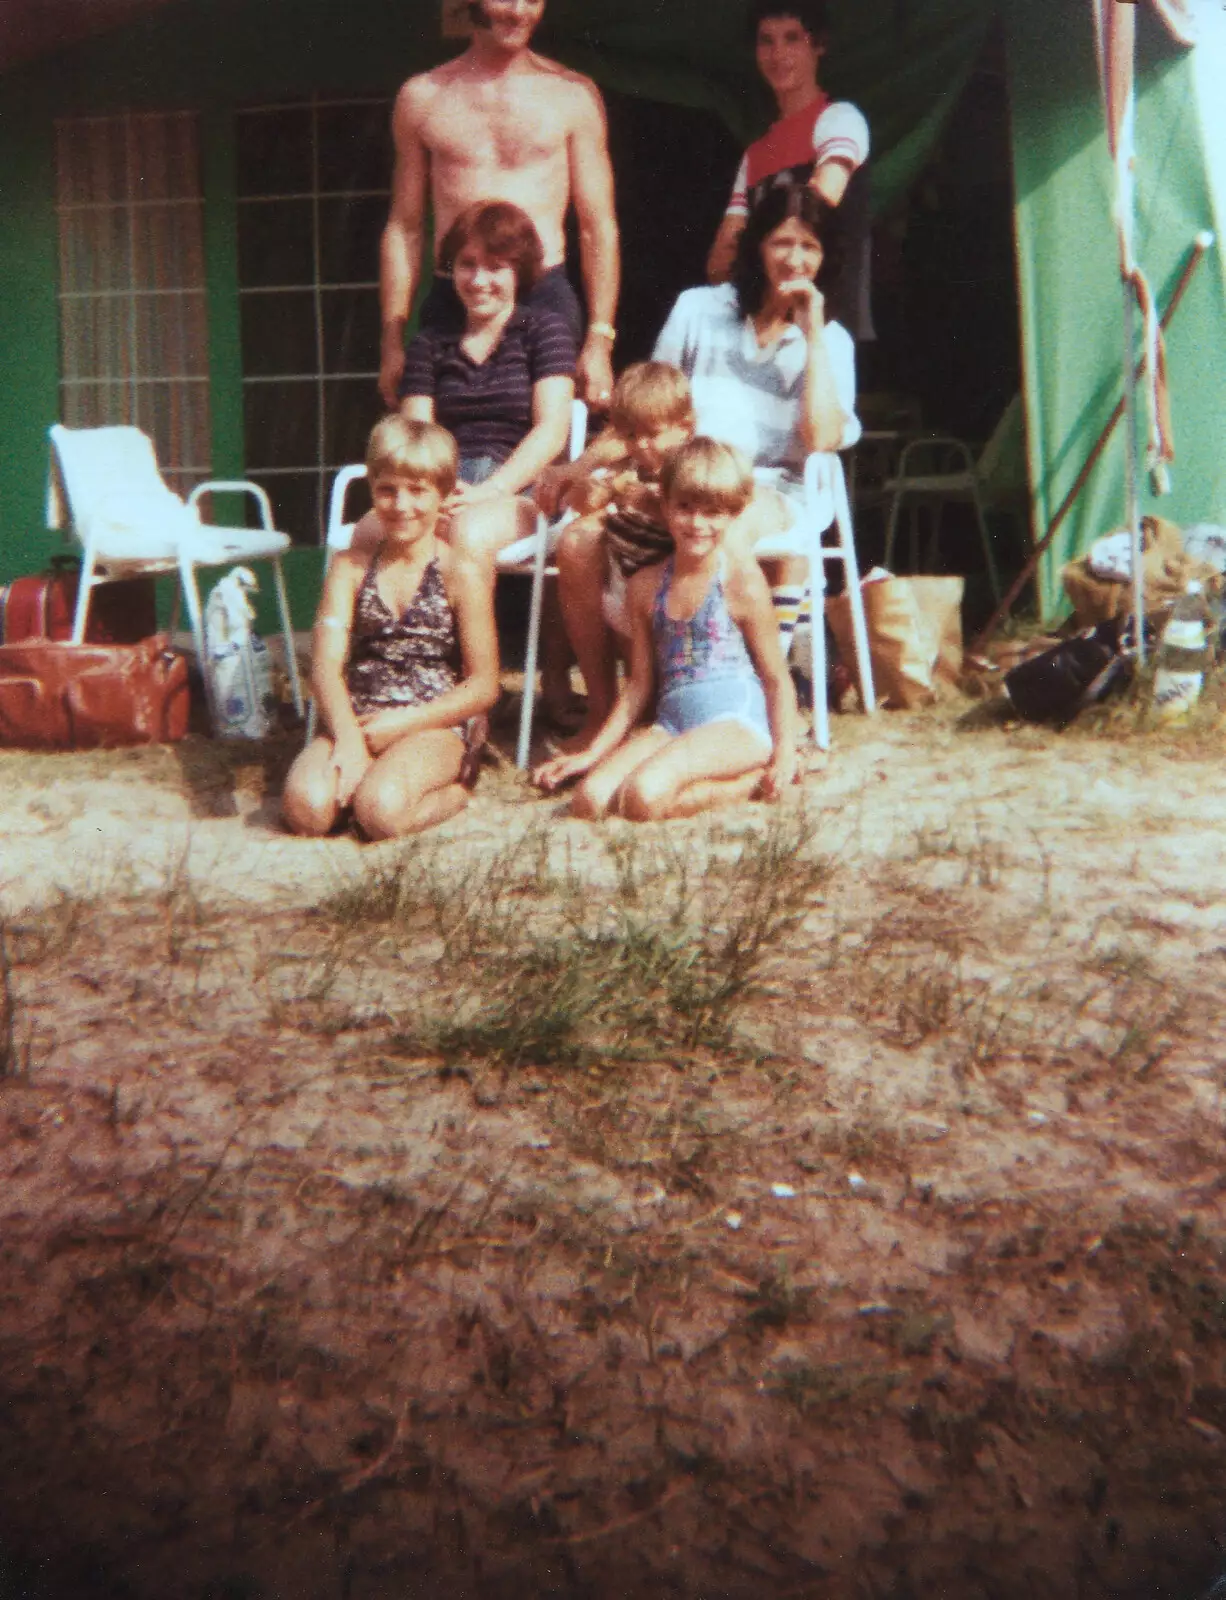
(1185, 654)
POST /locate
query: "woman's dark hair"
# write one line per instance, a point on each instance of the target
(504, 232)
(811, 14)
(780, 204)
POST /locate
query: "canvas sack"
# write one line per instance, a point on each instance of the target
(914, 629)
(1165, 565)
(237, 664)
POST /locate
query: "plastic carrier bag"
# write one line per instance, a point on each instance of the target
(237, 667)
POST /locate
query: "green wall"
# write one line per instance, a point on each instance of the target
(29, 337)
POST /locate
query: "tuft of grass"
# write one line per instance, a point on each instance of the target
(930, 997)
(776, 1302)
(179, 904)
(819, 1386)
(18, 1041)
(47, 933)
(551, 973)
(1130, 717)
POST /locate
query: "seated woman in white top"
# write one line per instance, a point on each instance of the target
(768, 372)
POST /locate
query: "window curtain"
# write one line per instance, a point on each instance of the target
(133, 323)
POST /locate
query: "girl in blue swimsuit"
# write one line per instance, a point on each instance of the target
(705, 649)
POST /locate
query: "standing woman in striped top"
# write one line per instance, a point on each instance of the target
(502, 383)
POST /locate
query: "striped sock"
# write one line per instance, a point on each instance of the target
(788, 598)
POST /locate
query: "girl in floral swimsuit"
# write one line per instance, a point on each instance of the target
(705, 645)
(405, 657)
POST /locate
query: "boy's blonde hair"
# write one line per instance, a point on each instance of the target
(650, 396)
(710, 475)
(407, 449)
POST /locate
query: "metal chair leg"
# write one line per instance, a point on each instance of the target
(187, 585)
(85, 587)
(855, 595)
(820, 671)
(534, 634)
(287, 633)
(817, 637)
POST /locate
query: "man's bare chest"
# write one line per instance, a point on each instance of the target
(503, 130)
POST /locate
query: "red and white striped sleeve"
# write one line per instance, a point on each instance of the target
(738, 206)
(841, 134)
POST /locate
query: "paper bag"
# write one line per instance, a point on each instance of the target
(914, 636)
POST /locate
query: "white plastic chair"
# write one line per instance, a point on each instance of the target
(339, 536)
(826, 505)
(530, 556)
(127, 521)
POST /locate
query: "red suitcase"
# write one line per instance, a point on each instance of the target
(43, 607)
(57, 696)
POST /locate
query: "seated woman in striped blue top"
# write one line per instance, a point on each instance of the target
(502, 383)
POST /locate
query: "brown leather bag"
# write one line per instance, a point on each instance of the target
(57, 696)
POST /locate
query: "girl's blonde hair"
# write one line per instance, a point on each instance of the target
(710, 475)
(408, 449)
(650, 396)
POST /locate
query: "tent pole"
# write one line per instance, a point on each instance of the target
(1132, 507)
(1202, 243)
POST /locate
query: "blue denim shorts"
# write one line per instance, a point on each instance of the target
(687, 706)
(476, 469)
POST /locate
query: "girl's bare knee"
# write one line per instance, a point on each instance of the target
(380, 808)
(579, 544)
(643, 799)
(308, 801)
(307, 815)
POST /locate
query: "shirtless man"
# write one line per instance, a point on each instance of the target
(503, 123)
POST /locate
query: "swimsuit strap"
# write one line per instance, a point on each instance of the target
(707, 644)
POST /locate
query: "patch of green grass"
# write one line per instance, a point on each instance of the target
(541, 968)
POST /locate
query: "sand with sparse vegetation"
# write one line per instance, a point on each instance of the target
(823, 1199)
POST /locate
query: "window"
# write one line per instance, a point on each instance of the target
(133, 315)
(313, 186)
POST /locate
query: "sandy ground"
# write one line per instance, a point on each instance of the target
(910, 1287)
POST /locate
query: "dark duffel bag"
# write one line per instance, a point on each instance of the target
(1055, 686)
(56, 696)
(43, 607)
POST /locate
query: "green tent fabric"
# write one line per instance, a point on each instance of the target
(1071, 300)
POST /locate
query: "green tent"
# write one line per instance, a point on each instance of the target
(1072, 318)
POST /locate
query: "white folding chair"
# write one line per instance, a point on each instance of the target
(127, 521)
(826, 505)
(530, 556)
(338, 537)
